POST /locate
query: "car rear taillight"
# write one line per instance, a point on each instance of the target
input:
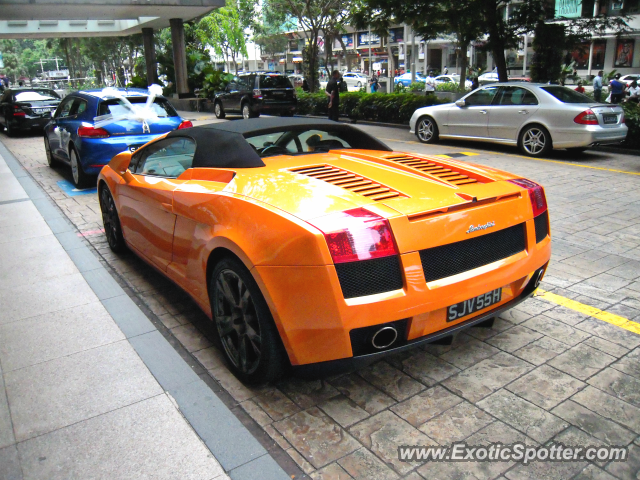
(92, 132)
(356, 234)
(622, 118)
(536, 195)
(18, 112)
(588, 117)
(185, 124)
(257, 94)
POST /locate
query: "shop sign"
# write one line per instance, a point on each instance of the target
(396, 35)
(365, 39)
(347, 39)
(568, 8)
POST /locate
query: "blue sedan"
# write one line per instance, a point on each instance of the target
(405, 79)
(71, 137)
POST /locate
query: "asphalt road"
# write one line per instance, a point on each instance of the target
(562, 367)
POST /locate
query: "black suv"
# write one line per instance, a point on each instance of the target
(256, 93)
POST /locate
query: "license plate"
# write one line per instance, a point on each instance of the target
(133, 148)
(609, 119)
(41, 110)
(462, 309)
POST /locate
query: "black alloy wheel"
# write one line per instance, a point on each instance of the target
(111, 221)
(218, 110)
(247, 332)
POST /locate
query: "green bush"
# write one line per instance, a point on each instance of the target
(395, 108)
(632, 120)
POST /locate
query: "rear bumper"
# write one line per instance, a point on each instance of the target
(343, 365)
(29, 123)
(315, 320)
(593, 135)
(284, 107)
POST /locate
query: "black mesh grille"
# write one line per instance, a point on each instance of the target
(446, 260)
(542, 226)
(369, 276)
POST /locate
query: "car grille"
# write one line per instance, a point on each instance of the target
(349, 181)
(447, 260)
(369, 277)
(441, 171)
(542, 226)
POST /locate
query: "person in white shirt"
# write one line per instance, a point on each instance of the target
(633, 89)
(429, 84)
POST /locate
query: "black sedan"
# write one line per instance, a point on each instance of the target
(24, 109)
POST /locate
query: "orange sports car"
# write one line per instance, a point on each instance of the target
(312, 245)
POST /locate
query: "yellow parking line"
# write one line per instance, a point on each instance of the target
(611, 318)
(528, 158)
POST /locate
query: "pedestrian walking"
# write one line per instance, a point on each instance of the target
(616, 87)
(475, 83)
(305, 86)
(333, 92)
(445, 71)
(580, 88)
(597, 86)
(429, 84)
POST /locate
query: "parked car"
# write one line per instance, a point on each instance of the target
(311, 244)
(355, 79)
(71, 136)
(629, 79)
(535, 117)
(296, 80)
(488, 77)
(519, 79)
(25, 109)
(452, 78)
(253, 94)
(405, 79)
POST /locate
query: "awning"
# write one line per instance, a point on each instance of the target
(297, 60)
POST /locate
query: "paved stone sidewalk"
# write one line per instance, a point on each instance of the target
(542, 373)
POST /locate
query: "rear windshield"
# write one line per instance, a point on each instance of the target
(274, 81)
(566, 95)
(36, 96)
(114, 106)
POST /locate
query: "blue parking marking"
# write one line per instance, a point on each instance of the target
(71, 191)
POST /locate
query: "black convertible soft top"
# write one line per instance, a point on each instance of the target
(224, 145)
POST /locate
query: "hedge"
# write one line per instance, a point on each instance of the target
(380, 107)
(632, 120)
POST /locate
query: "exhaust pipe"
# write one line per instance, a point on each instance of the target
(384, 337)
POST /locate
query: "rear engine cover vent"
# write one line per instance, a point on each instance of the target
(349, 181)
(444, 172)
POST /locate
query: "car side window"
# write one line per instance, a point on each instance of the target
(516, 96)
(64, 109)
(481, 98)
(166, 158)
(232, 86)
(78, 107)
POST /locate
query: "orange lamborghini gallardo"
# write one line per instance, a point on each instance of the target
(313, 246)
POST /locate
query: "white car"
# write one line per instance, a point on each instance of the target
(535, 117)
(489, 77)
(355, 79)
(452, 78)
(405, 78)
(629, 79)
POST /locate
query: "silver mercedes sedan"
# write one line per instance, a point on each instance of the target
(535, 117)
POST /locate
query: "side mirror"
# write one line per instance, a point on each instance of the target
(460, 103)
(121, 162)
(52, 113)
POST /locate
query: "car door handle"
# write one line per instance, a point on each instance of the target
(523, 112)
(168, 207)
(484, 112)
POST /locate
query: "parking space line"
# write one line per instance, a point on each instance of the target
(594, 312)
(522, 156)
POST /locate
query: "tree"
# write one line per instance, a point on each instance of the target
(314, 17)
(224, 31)
(428, 18)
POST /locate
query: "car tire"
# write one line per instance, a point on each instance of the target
(218, 110)
(80, 179)
(51, 161)
(9, 130)
(534, 141)
(577, 150)
(111, 221)
(248, 334)
(246, 111)
(427, 130)
(359, 84)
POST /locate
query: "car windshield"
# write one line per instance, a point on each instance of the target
(566, 95)
(115, 106)
(274, 81)
(311, 140)
(36, 96)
